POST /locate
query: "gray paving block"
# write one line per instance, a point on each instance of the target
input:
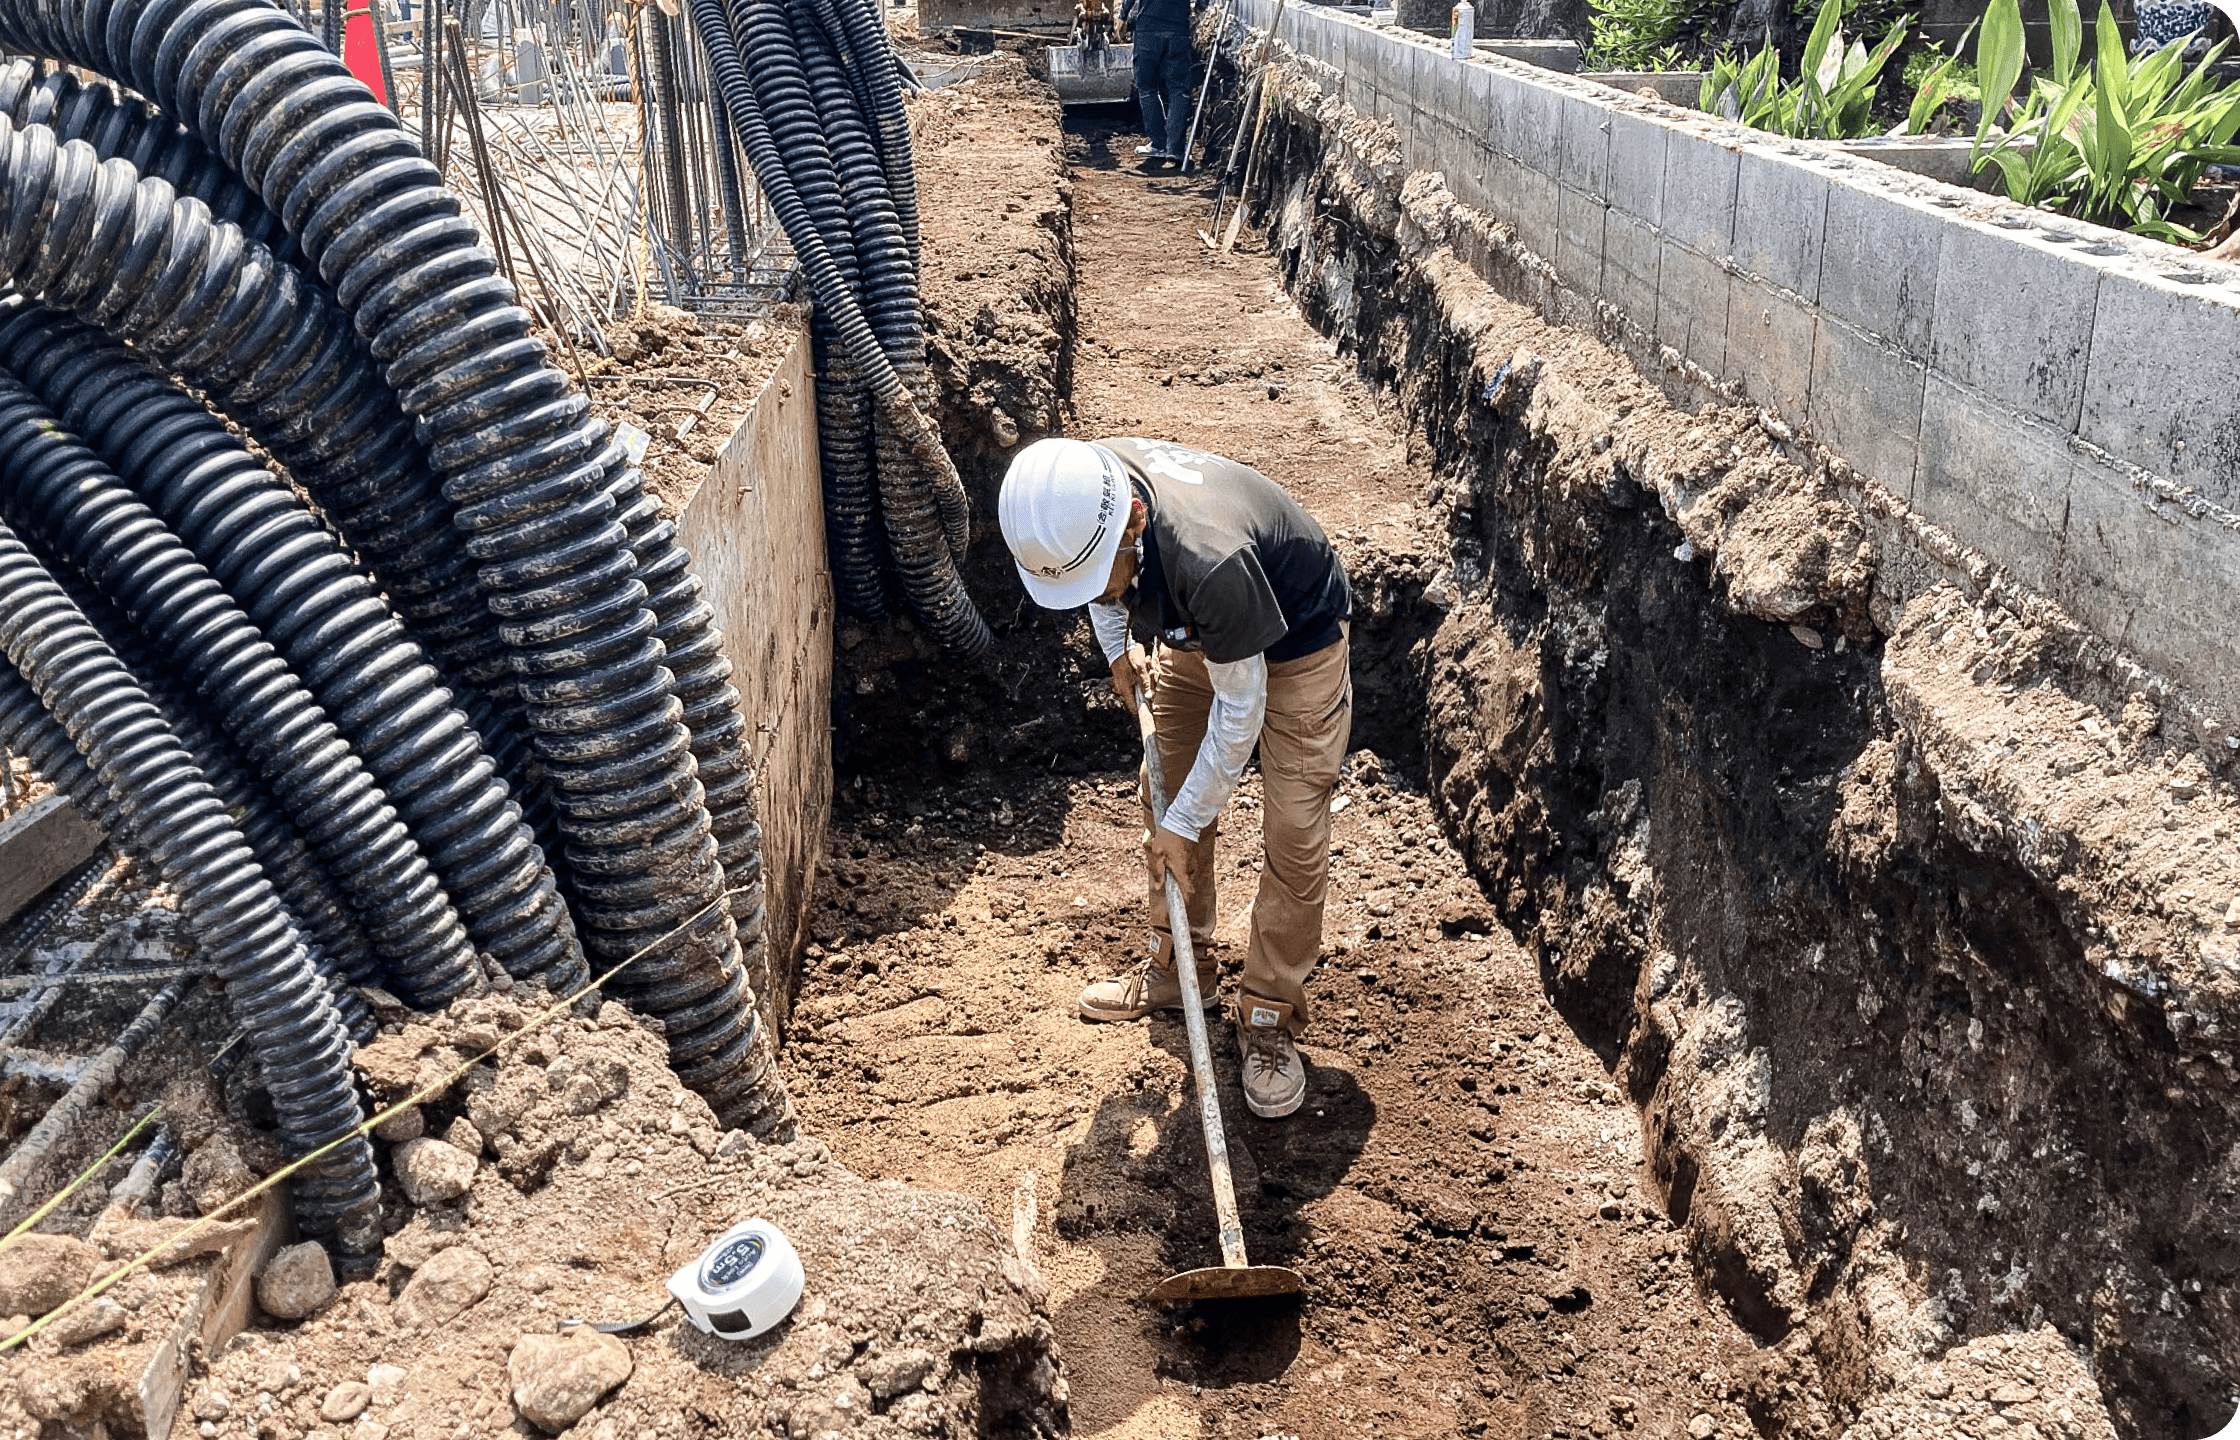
(1583, 136)
(1878, 268)
(1997, 480)
(1636, 184)
(1692, 306)
(1578, 257)
(1698, 197)
(1780, 217)
(2157, 578)
(2013, 320)
(1629, 267)
(2159, 388)
(1866, 402)
(1769, 347)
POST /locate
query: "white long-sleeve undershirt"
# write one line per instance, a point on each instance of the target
(1240, 707)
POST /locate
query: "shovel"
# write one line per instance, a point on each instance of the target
(1236, 1277)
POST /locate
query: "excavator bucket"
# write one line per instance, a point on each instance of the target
(1092, 74)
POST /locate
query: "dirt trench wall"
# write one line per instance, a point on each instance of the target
(1912, 930)
(997, 285)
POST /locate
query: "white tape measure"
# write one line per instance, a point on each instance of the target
(744, 1283)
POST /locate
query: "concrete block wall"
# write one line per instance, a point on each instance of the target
(2060, 398)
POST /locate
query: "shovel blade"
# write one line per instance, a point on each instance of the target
(1092, 74)
(1228, 1282)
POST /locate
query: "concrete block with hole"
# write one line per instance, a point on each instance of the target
(1579, 226)
(1630, 257)
(1769, 346)
(1781, 215)
(2141, 569)
(2142, 402)
(1996, 479)
(1692, 306)
(1699, 188)
(1866, 402)
(1636, 178)
(2013, 320)
(1879, 264)
(1534, 138)
(1583, 143)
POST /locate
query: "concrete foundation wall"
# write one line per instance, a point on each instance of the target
(756, 532)
(2057, 397)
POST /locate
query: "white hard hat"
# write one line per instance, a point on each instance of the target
(1063, 510)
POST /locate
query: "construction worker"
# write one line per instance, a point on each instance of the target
(1245, 606)
(1160, 30)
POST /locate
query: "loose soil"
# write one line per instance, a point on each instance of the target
(1464, 1189)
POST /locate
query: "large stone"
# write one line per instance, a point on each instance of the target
(215, 1173)
(346, 1401)
(39, 1272)
(444, 1287)
(296, 1282)
(556, 1379)
(432, 1171)
(90, 1321)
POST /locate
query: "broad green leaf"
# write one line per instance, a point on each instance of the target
(1998, 61)
(1823, 37)
(2068, 37)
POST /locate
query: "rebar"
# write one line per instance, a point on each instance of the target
(30, 1153)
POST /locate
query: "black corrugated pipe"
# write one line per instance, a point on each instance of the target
(851, 494)
(332, 939)
(916, 468)
(185, 838)
(525, 466)
(313, 603)
(34, 93)
(58, 492)
(312, 396)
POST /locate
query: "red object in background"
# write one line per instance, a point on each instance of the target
(361, 47)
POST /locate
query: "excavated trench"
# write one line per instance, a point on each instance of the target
(1898, 915)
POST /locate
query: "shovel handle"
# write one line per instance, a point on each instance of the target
(1193, 1014)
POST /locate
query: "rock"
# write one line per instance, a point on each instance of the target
(445, 1286)
(346, 1401)
(1703, 1427)
(215, 1173)
(39, 1272)
(386, 1383)
(432, 1171)
(556, 1379)
(891, 1375)
(406, 1124)
(210, 1403)
(464, 1137)
(580, 1096)
(296, 1282)
(90, 1321)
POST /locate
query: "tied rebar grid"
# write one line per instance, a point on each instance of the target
(581, 134)
(142, 955)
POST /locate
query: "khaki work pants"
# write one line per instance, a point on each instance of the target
(1302, 744)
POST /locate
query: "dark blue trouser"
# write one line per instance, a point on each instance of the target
(1163, 72)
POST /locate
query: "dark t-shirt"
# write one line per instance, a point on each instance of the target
(1231, 564)
(1158, 15)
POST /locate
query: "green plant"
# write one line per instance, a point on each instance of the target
(1832, 97)
(1653, 35)
(2117, 142)
(1935, 81)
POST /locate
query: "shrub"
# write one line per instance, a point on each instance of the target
(1832, 97)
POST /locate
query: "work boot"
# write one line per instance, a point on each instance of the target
(1275, 1078)
(1150, 986)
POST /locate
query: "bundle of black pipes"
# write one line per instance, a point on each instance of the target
(813, 91)
(439, 703)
